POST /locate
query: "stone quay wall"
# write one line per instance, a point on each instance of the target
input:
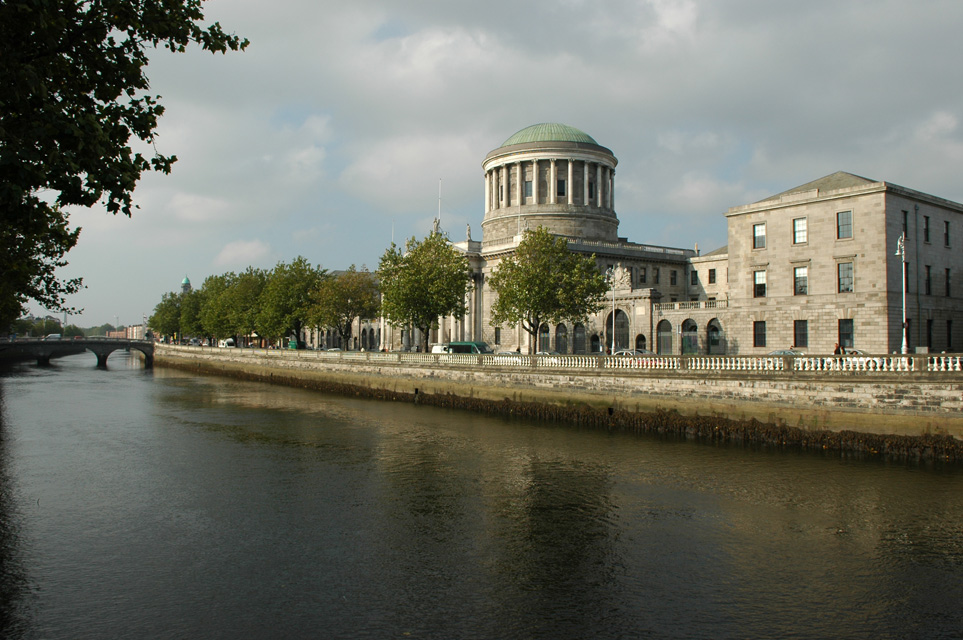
(917, 412)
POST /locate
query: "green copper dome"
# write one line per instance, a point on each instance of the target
(549, 132)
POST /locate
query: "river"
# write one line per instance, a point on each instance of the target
(161, 504)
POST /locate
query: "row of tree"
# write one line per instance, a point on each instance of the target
(542, 282)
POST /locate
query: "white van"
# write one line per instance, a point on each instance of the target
(439, 348)
(226, 343)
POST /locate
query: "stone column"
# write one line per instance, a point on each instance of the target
(503, 187)
(552, 191)
(611, 188)
(520, 184)
(488, 191)
(598, 186)
(569, 185)
(585, 189)
(534, 181)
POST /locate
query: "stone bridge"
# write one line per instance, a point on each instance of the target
(43, 350)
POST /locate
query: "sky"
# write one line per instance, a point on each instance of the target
(330, 135)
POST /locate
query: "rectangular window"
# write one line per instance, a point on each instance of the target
(799, 235)
(926, 228)
(498, 335)
(949, 336)
(591, 190)
(641, 275)
(906, 224)
(846, 333)
(844, 225)
(759, 284)
(694, 278)
(947, 283)
(673, 278)
(929, 334)
(801, 281)
(561, 187)
(928, 281)
(501, 192)
(528, 188)
(655, 275)
(844, 275)
(800, 333)
(759, 333)
(946, 233)
(712, 276)
(759, 236)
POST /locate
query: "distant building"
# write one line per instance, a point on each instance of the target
(185, 285)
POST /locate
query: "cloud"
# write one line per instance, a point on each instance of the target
(241, 254)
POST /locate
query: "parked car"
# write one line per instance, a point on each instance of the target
(786, 352)
(634, 352)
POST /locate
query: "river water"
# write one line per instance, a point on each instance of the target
(161, 504)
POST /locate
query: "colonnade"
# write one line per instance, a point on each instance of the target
(498, 184)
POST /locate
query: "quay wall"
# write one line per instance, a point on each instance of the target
(776, 406)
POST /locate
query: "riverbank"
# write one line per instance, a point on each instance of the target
(880, 414)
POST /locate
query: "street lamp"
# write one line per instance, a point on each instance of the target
(901, 252)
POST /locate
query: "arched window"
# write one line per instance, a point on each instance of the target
(544, 340)
(664, 332)
(690, 336)
(578, 339)
(561, 338)
(596, 343)
(640, 341)
(621, 330)
(715, 339)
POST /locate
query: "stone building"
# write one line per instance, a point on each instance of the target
(806, 268)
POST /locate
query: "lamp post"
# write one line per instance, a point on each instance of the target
(901, 252)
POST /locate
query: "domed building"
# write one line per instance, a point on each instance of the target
(556, 176)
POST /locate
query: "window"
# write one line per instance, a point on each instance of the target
(498, 335)
(949, 336)
(712, 276)
(800, 333)
(655, 275)
(501, 192)
(844, 276)
(641, 275)
(844, 225)
(846, 333)
(560, 188)
(928, 281)
(694, 278)
(801, 281)
(528, 188)
(759, 282)
(759, 236)
(906, 224)
(929, 333)
(799, 235)
(926, 228)
(946, 233)
(591, 190)
(673, 277)
(947, 283)
(759, 333)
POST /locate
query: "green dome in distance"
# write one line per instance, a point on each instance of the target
(549, 132)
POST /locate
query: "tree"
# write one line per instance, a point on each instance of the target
(166, 319)
(427, 281)
(242, 301)
(73, 92)
(214, 309)
(342, 298)
(190, 319)
(545, 282)
(286, 298)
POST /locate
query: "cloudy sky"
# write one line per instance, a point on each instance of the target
(329, 135)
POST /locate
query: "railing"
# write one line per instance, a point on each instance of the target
(847, 364)
(695, 304)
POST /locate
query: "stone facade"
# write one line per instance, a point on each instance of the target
(807, 268)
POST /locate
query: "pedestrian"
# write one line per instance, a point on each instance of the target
(837, 350)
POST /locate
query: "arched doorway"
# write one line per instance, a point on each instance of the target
(715, 339)
(561, 338)
(543, 339)
(621, 330)
(690, 337)
(664, 336)
(640, 341)
(596, 343)
(578, 340)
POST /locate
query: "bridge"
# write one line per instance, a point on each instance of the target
(43, 350)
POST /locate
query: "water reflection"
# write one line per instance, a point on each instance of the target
(14, 587)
